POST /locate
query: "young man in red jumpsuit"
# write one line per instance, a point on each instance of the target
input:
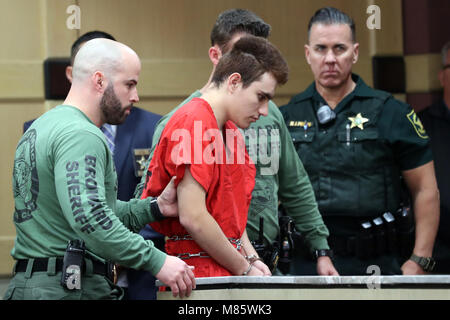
(202, 146)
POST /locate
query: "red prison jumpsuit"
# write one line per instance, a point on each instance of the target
(193, 137)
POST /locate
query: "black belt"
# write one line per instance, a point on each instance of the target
(41, 265)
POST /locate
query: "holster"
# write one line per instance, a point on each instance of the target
(286, 243)
(269, 254)
(405, 232)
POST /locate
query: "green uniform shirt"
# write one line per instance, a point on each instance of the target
(355, 161)
(65, 188)
(280, 176)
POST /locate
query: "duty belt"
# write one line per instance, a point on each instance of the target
(201, 254)
(386, 234)
(42, 264)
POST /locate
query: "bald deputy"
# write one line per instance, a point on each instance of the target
(71, 228)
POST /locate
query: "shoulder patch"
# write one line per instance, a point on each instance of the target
(417, 124)
(25, 178)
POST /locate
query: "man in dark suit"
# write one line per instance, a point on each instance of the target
(436, 120)
(130, 143)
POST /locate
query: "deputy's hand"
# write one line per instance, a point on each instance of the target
(412, 268)
(167, 201)
(262, 267)
(325, 267)
(179, 276)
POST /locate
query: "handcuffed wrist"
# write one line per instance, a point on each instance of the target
(245, 273)
(253, 258)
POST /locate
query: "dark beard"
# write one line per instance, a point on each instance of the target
(111, 108)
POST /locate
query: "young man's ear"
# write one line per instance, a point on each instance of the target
(234, 81)
(215, 54)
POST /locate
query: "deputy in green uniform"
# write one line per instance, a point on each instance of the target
(280, 175)
(356, 143)
(65, 189)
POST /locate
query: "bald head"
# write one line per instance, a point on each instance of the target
(105, 77)
(103, 55)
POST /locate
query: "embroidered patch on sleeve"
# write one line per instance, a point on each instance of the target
(417, 124)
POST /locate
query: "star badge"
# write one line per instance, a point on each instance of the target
(358, 121)
(140, 159)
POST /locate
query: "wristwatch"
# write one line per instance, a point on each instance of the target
(155, 211)
(427, 264)
(323, 253)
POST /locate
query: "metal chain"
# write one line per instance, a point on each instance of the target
(201, 254)
(187, 255)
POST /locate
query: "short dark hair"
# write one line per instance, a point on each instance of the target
(232, 21)
(330, 15)
(84, 38)
(251, 57)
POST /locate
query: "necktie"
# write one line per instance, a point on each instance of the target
(109, 133)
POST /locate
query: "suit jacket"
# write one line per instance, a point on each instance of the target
(135, 133)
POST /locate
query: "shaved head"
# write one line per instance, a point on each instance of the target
(105, 77)
(104, 55)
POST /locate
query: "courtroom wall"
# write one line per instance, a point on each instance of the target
(172, 39)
